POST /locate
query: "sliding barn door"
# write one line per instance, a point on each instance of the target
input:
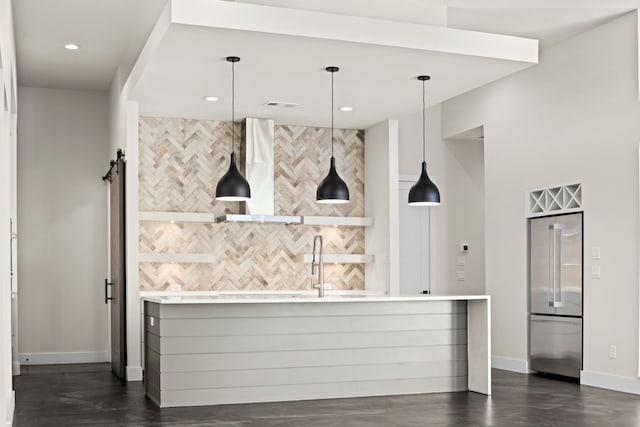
(118, 278)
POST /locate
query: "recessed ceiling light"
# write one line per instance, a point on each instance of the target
(210, 98)
(71, 46)
(346, 108)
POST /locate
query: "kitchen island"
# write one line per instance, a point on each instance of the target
(221, 349)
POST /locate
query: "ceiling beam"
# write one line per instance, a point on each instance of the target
(347, 28)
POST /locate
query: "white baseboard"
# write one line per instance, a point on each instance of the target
(15, 368)
(63, 358)
(611, 382)
(509, 364)
(11, 406)
(134, 373)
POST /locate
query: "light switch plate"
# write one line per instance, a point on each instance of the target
(595, 271)
(595, 252)
(460, 260)
(460, 276)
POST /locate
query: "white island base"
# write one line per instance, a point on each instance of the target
(229, 349)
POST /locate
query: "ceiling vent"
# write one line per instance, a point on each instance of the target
(280, 104)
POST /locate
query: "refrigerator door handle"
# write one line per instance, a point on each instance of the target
(558, 302)
(555, 261)
(557, 266)
(551, 278)
(563, 322)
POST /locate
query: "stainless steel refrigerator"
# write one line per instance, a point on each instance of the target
(555, 298)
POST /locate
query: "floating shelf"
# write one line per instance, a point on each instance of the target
(180, 217)
(272, 219)
(338, 258)
(208, 218)
(172, 257)
(344, 221)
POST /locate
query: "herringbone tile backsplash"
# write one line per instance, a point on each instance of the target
(181, 161)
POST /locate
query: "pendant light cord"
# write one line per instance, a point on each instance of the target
(332, 73)
(233, 107)
(424, 126)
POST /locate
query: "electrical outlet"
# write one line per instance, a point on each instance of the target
(595, 271)
(175, 287)
(460, 276)
(613, 352)
(460, 260)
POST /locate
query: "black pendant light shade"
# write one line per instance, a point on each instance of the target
(232, 187)
(332, 189)
(424, 192)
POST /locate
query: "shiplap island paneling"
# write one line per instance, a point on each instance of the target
(206, 351)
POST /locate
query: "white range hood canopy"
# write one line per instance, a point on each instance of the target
(258, 140)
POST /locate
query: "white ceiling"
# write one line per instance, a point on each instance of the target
(549, 21)
(379, 82)
(111, 33)
(549, 26)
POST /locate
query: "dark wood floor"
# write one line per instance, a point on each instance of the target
(89, 395)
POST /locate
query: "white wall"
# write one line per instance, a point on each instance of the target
(457, 168)
(465, 215)
(574, 117)
(63, 152)
(123, 134)
(7, 206)
(380, 203)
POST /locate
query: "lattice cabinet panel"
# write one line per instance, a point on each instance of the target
(554, 200)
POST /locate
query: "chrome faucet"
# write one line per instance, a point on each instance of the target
(317, 265)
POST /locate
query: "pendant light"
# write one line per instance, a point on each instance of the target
(332, 189)
(232, 187)
(424, 192)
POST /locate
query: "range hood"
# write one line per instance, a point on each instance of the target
(258, 138)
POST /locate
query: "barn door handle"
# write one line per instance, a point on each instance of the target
(106, 291)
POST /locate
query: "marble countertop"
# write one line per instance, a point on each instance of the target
(291, 297)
